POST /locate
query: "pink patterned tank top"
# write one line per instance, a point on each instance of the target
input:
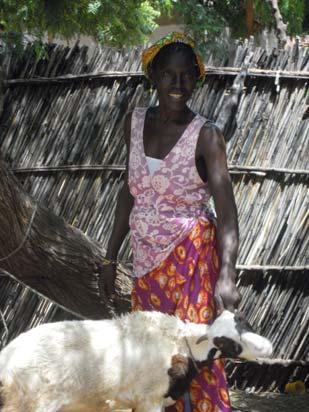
(168, 202)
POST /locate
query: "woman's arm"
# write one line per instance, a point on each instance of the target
(121, 221)
(213, 150)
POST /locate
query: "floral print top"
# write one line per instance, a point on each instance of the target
(167, 203)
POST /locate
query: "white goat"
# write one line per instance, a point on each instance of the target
(127, 362)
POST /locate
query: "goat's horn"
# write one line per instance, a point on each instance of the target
(201, 339)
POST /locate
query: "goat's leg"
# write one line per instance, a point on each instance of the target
(149, 407)
(49, 406)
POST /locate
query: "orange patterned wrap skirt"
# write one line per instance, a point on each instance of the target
(184, 285)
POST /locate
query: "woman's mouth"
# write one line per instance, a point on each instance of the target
(176, 96)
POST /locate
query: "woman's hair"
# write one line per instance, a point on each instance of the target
(171, 48)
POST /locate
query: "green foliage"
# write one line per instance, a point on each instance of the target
(113, 22)
(130, 22)
(200, 19)
(293, 11)
(306, 17)
(233, 12)
(206, 19)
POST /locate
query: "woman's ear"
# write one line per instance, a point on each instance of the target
(147, 84)
(152, 77)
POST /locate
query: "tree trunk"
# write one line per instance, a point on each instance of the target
(280, 25)
(249, 17)
(56, 259)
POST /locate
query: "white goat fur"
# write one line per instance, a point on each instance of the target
(76, 366)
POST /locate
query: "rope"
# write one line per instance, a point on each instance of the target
(187, 400)
(25, 237)
(107, 262)
(192, 356)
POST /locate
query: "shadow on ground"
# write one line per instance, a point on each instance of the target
(268, 402)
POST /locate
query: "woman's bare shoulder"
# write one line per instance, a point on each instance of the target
(211, 137)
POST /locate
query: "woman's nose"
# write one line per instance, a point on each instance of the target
(177, 80)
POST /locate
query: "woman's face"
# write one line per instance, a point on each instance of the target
(175, 78)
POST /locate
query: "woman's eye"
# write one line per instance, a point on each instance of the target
(189, 75)
(165, 74)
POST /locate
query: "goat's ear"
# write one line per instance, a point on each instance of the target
(201, 339)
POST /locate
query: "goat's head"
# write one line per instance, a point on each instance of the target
(233, 337)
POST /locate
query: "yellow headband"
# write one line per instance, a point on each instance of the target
(175, 37)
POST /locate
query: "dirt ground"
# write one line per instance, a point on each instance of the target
(267, 402)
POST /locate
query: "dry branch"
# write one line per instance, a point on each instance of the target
(273, 361)
(69, 168)
(114, 75)
(272, 268)
(234, 169)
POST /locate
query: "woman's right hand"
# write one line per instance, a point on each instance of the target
(107, 281)
(120, 229)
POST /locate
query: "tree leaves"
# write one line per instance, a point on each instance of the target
(114, 22)
(125, 23)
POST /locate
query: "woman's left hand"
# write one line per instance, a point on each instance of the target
(226, 294)
(212, 148)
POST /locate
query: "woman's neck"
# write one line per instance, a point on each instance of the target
(166, 115)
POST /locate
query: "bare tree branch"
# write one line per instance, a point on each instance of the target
(45, 253)
(281, 26)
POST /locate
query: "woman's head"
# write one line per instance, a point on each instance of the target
(164, 57)
(174, 68)
(174, 43)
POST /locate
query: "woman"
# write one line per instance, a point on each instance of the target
(183, 258)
